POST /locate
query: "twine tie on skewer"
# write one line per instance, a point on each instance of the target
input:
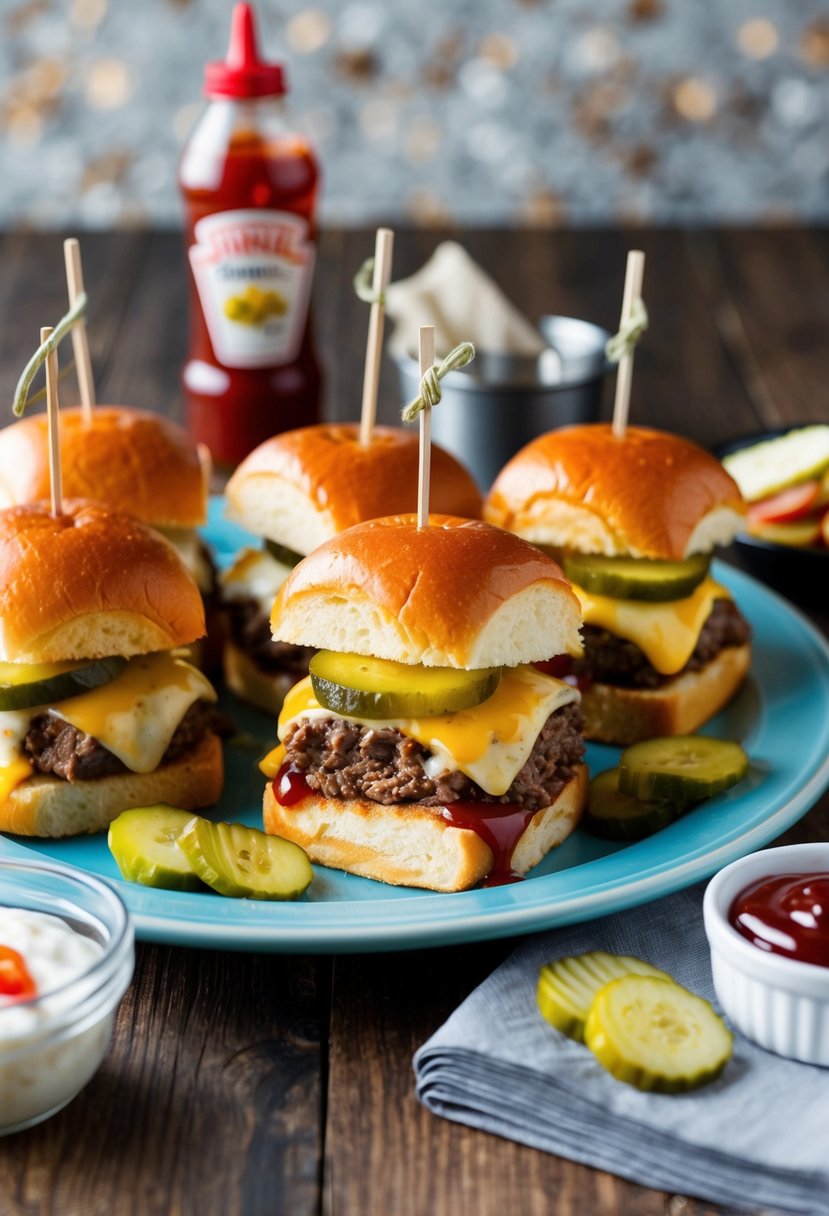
(364, 285)
(430, 391)
(76, 313)
(630, 333)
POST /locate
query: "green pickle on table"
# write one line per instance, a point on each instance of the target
(567, 986)
(616, 816)
(144, 843)
(681, 768)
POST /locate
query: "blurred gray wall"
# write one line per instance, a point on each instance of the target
(547, 112)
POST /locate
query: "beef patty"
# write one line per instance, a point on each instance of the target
(342, 760)
(250, 629)
(64, 751)
(614, 660)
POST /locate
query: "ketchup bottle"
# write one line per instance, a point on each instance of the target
(249, 182)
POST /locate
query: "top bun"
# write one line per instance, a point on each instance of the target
(132, 460)
(90, 583)
(649, 494)
(456, 594)
(304, 486)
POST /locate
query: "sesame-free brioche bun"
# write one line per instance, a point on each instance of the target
(89, 583)
(412, 845)
(650, 494)
(458, 593)
(302, 487)
(132, 460)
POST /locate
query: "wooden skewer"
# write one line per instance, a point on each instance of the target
(53, 418)
(624, 377)
(383, 247)
(80, 341)
(427, 359)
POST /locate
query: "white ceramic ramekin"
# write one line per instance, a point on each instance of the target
(778, 1002)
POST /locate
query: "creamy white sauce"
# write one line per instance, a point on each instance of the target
(37, 1074)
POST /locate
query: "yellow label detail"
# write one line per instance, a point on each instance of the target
(490, 742)
(667, 632)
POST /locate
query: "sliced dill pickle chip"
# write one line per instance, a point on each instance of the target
(656, 1035)
(615, 816)
(567, 986)
(243, 862)
(681, 768)
(23, 685)
(144, 843)
(636, 578)
(288, 557)
(363, 687)
(764, 468)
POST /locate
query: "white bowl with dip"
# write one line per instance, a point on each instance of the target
(779, 1002)
(76, 939)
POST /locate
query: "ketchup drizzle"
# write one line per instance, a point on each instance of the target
(500, 825)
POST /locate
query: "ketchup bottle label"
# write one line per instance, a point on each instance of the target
(253, 271)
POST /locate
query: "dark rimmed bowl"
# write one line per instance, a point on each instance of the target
(799, 574)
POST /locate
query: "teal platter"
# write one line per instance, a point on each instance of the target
(781, 716)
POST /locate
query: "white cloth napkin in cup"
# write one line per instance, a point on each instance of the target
(758, 1137)
(464, 304)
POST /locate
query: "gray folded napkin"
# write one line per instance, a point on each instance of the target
(756, 1137)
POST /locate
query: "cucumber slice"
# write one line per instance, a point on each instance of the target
(615, 816)
(244, 862)
(656, 1035)
(633, 578)
(682, 768)
(764, 468)
(567, 986)
(288, 557)
(23, 685)
(144, 843)
(363, 687)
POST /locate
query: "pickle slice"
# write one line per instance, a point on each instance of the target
(144, 843)
(567, 986)
(656, 1035)
(764, 468)
(288, 557)
(615, 816)
(363, 687)
(23, 685)
(682, 768)
(243, 862)
(636, 578)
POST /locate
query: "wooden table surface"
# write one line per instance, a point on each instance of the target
(254, 1085)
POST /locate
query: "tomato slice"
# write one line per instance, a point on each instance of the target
(15, 978)
(787, 506)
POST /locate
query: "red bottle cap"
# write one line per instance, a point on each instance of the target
(243, 73)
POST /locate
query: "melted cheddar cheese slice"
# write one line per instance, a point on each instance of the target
(490, 743)
(134, 716)
(667, 632)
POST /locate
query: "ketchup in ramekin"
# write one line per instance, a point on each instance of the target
(786, 914)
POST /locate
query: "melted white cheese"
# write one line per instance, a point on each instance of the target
(255, 575)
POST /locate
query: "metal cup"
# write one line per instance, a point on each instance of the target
(498, 403)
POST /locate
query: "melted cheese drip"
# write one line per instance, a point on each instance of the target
(136, 715)
(667, 632)
(489, 743)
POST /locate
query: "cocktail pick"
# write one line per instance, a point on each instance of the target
(620, 348)
(380, 266)
(80, 340)
(53, 421)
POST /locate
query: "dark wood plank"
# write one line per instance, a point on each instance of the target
(209, 1100)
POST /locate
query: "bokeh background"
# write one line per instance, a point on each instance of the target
(520, 112)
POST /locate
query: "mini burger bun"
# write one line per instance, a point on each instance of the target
(49, 806)
(409, 845)
(678, 707)
(89, 583)
(304, 486)
(649, 494)
(132, 460)
(457, 593)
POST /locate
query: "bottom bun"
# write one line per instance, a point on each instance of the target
(264, 689)
(49, 806)
(409, 845)
(628, 715)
